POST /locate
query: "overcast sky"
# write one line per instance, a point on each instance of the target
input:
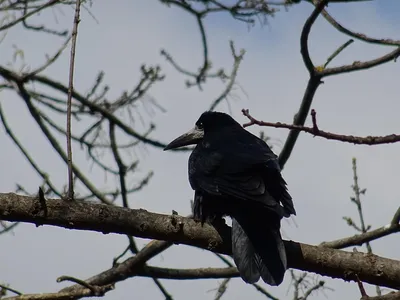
(272, 78)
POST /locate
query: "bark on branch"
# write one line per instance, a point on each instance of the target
(180, 230)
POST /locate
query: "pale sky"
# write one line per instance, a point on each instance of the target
(273, 78)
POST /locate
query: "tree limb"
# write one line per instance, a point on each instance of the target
(180, 230)
(63, 295)
(315, 131)
(359, 239)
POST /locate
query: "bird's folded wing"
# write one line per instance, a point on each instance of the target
(241, 187)
(246, 175)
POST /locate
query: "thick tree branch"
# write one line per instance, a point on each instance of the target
(312, 86)
(188, 274)
(105, 218)
(306, 32)
(299, 119)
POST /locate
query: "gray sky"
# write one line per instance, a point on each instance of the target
(273, 79)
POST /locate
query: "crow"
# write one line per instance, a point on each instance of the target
(234, 173)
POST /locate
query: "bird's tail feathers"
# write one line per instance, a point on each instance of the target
(244, 254)
(258, 251)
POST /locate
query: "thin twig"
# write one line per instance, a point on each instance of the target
(337, 52)
(5, 287)
(264, 292)
(361, 287)
(8, 228)
(70, 194)
(236, 63)
(222, 289)
(357, 200)
(359, 239)
(388, 296)
(31, 13)
(53, 141)
(78, 281)
(362, 65)
(26, 154)
(122, 169)
(358, 140)
(128, 268)
(359, 36)
(98, 109)
(396, 218)
(50, 60)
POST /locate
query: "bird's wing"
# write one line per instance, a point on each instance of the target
(251, 172)
(251, 185)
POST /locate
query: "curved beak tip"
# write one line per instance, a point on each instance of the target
(189, 138)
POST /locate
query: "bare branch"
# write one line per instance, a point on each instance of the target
(78, 281)
(105, 218)
(34, 165)
(362, 65)
(237, 59)
(389, 296)
(337, 52)
(222, 289)
(127, 268)
(5, 287)
(359, 36)
(312, 86)
(306, 32)
(27, 15)
(187, 274)
(64, 296)
(50, 60)
(7, 228)
(264, 292)
(70, 193)
(102, 111)
(316, 74)
(315, 131)
(396, 218)
(36, 116)
(357, 201)
(359, 239)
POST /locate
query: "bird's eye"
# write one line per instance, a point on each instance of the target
(199, 125)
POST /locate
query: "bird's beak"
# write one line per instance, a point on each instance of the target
(191, 137)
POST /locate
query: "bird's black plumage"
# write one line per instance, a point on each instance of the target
(235, 173)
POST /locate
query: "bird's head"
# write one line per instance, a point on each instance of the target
(208, 122)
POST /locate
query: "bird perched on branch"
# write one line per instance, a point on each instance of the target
(234, 173)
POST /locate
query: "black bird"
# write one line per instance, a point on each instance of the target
(235, 173)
